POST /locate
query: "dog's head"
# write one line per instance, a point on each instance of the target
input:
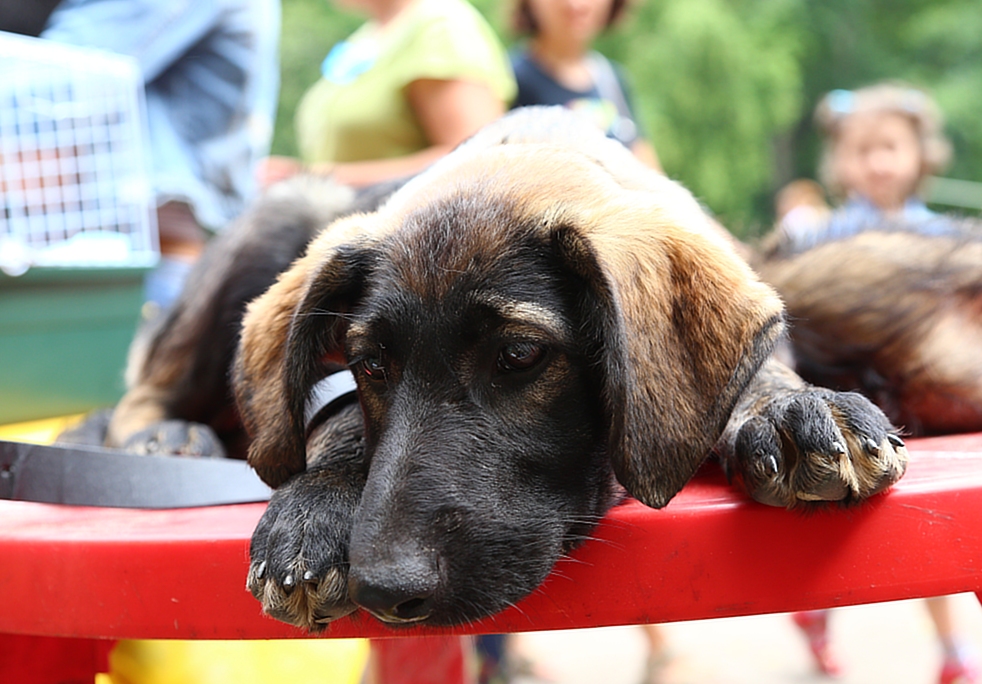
(522, 321)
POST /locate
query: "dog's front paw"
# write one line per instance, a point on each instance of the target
(816, 445)
(299, 551)
(176, 438)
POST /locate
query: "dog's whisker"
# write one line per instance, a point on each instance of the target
(606, 542)
(559, 574)
(319, 312)
(575, 561)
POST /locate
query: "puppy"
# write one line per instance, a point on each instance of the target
(530, 319)
(534, 326)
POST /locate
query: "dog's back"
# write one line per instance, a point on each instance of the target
(893, 313)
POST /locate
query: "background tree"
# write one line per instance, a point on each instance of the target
(726, 88)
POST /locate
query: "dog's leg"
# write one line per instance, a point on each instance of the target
(789, 443)
(299, 550)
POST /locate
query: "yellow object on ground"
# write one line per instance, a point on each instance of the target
(336, 661)
(37, 431)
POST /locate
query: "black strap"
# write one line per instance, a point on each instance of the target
(92, 476)
(609, 87)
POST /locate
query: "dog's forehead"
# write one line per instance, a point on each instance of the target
(460, 257)
(469, 215)
(531, 178)
(484, 221)
(455, 243)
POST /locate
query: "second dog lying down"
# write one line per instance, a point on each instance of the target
(531, 325)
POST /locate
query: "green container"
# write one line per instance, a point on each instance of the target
(64, 336)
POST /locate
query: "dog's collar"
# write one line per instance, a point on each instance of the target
(327, 396)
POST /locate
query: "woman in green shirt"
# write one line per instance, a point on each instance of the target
(409, 85)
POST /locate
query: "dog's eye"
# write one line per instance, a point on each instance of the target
(520, 356)
(373, 368)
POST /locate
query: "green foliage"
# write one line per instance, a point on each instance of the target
(944, 41)
(725, 88)
(713, 85)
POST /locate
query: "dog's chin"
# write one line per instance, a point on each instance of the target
(488, 598)
(480, 598)
(397, 621)
(453, 616)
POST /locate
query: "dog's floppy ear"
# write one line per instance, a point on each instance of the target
(290, 336)
(680, 325)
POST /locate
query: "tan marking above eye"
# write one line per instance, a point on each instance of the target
(525, 313)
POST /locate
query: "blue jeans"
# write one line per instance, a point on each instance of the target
(212, 80)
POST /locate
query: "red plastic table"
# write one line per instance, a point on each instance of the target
(99, 573)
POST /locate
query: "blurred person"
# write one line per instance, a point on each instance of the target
(881, 142)
(659, 656)
(211, 76)
(409, 85)
(25, 17)
(559, 67)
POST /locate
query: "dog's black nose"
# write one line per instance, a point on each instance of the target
(397, 594)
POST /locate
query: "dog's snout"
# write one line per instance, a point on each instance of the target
(400, 592)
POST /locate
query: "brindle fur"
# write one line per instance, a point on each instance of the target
(893, 314)
(453, 489)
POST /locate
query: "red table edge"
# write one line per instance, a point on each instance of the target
(112, 573)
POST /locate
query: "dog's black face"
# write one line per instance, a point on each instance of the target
(483, 427)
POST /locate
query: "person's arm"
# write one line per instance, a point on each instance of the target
(275, 168)
(449, 113)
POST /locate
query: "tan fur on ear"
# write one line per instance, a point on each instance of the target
(277, 449)
(687, 326)
(696, 325)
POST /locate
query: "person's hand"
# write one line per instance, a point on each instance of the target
(274, 169)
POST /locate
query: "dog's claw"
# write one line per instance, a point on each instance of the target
(770, 462)
(895, 440)
(838, 448)
(299, 552)
(871, 445)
